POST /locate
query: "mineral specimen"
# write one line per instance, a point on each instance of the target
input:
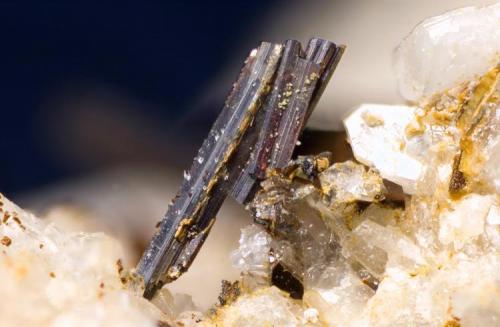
(330, 245)
(299, 83)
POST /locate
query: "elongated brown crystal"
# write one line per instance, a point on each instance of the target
(192, 212)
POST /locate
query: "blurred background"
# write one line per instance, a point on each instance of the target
(103, 106)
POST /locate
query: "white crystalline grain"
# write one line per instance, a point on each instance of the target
(382, 146)
(449, 49)
(465, 220)
(339, 298)
(311, 316)
(253, 253)
(493, 217)
(491, 169)
(348, 181)
(265, 307)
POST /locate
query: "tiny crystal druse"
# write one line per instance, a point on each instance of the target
(407, 234)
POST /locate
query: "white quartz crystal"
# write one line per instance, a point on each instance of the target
(253, 253)
(446, 50)
(489, 170)
(465, 220)
(382, 144)
(340, 298)
(252, 257)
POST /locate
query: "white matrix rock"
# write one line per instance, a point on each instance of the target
(53, 278)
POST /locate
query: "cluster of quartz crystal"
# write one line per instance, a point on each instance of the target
(53, 278)
(365, 256)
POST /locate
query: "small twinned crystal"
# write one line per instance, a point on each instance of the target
(407, 234)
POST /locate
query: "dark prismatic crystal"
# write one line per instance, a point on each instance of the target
(256, 130)
(300, 82)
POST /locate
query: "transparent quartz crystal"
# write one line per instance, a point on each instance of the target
(252, 257)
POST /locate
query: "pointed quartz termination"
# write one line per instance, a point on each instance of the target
(378, 137)
(300, 82)
(192, 213)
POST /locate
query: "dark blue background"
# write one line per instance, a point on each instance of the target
(161, 55)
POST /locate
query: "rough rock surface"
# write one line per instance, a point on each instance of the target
(53, 278)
